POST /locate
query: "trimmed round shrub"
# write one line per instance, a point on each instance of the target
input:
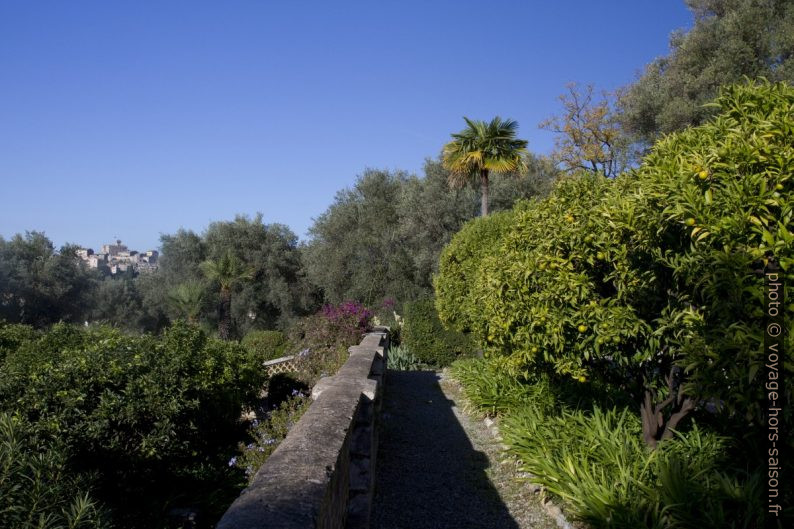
(424, 335)
(553, 280)
(266, 345)
(460, 260)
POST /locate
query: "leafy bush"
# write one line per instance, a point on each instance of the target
(597, 463)
(36, 488)
(266, 345)
(12, 335)
(423, 333)
(144, 413)
(402, 359)
(282, 387)
(322, 339)
(269, 433)
(713, 204)
(456, 300)
(649, 282)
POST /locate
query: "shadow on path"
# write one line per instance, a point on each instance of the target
(428, 473)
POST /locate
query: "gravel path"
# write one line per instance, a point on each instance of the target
(437, 466)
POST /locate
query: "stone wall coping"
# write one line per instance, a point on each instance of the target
(306, 481)
(279, 360)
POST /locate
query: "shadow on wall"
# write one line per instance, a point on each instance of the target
(428, 474)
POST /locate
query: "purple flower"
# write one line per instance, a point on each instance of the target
(233, 461)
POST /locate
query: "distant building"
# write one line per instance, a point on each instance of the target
(114, 249)
(117, 258)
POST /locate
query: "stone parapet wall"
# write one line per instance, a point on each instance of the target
(322, 474)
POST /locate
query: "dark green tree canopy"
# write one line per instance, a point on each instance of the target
(40, 286)
(730, 39)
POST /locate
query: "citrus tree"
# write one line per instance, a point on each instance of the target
(651, 282)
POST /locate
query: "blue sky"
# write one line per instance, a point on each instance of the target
(132, 119)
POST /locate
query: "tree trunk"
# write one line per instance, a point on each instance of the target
(654, 426)
(225, 314)
(484, 189)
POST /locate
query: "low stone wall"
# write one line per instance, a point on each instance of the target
(322, 474)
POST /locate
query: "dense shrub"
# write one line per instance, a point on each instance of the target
(101, 391)
(647, 287)
(713, 204)
(144, 413)
(456, 302)
(268, 434)
(321, 340)
(282, 386)
(36, 488)
(266, 345)
(423, 333)
(649, 282)
(12, 335)
(549, 278)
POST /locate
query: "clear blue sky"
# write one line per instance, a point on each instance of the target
(133, 119)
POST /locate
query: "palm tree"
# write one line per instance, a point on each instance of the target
(481, 148)
(228, 271)
(186, 299)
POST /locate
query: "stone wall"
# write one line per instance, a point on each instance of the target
(322, 474)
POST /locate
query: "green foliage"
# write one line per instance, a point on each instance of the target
(402, 359)
(456, 300)
(12, 335)
(37, 491)
(266, 345)
(382, 238)
(597, 463)
(612, 283)
(268, 434)
(730, 39)
(621, 279)
(187, 299)
(118, 302)
(715, 202)
(488, 386)
(483, 148)
(40, 286)
(593, 458)
(144, 413)
(355, 252)
(548, 277)
(423, 333)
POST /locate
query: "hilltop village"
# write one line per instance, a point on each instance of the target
(117, 258)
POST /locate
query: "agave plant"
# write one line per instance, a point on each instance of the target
(402, 359)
